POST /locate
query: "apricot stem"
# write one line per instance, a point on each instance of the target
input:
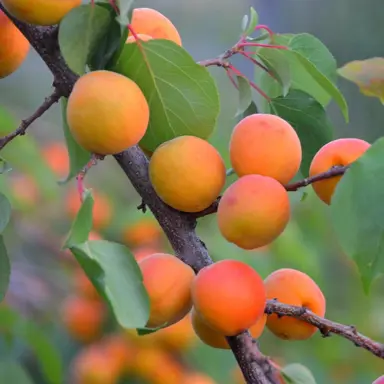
(81, 175)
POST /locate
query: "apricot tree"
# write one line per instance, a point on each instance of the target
(130, 90)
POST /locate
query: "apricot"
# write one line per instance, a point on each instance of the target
(217, 340)
(102, 210)
(167, 281)
(142, 233)
(83, 318)
(14, 47)
(150, 22)
(187, 173)
(141, 36)
(293, 287)
(253, 211)
(229, 296)
(25, 191)
(142, 252)
(99, 116)
(197, 378)
(267, 145)
(56, 155)
(84, 286)
(337, 152)
(40, 12)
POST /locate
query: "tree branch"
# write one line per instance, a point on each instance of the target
(326, 327)
(48, 102)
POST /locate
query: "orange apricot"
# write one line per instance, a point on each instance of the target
(150, 22)
(14, 47)
(40, 12)
(141, 36)
(253, 211)
(197, 378)
(56, 155)
(187, 173)
(142, 233)
(99, 117)
(229, 296)
(216, 339)
(167, 280)
(266, 145)
(25, 190)
(337, 152)
(83, 318)
(293, 287)
(142, 252)
(84, 286)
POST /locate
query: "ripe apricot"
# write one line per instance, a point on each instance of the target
(99, 116)
(229, 296)
(142, 233)
(25, 191)
(141, 36)
(293, 287)
(167, 281)
(266, 145)
(187, 173)
(197, 378)
(56, 155)
(83, 318)
(142, 252)
(14, 47)
(84, 286)
(150, 22)
(253, 211)
(337, 152)
(217, 340)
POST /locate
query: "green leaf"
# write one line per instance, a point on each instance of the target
(4, 166)
(5, 269)
(82, 225)
(147, 331)
(309, 119)
(368, 75)
(245, 95)
(79, 33)
(12, 372)
(357, 213)
(125, 7)
(297, 374)
(183, 97)
(5, 212)
(114, 272)
(253, 21)
(78, 156)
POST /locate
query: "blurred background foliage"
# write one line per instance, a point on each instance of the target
(43, 277)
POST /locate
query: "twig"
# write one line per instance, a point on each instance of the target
(326, 327)
(48, 102)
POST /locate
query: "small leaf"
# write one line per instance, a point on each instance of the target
(114, 272)
(125, 7)
(147, 331)
(357, 213)
(4, 166)
(245, 95)
(253, 21)
(12, 372)
(5, 269)
(5, 212)
(309, 119)
(183, 97)
(367, 74)
(79, 33)
(244, 23)
(78, 156)
(251, 110)
(297, 374)
(82, 225)
(304, 196)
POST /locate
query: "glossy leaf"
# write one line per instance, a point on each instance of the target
(297, 374)
(125, 7)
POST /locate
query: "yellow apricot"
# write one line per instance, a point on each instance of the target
(293, 287)
(150, 22)
(197, 378)
(14, 47)
(141, 36)
(337, 152)
(40, 12)
(187, 173)
(167, 281)
(266, 145)
(107, 112)
(253, 211)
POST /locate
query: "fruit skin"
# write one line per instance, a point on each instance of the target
(99, 116)
(142, 252)
(187, 173)
(14, 47)
(215, 339)
(167, 281)
(141, 36)
(229, 296)
(56, 155)
(197, 378)
(150, 22)
(40, 12)
(293, 287)
(142, 233)
(266, 145)
(253, 211)
(337, 152)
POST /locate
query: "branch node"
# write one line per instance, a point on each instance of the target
(142, 207)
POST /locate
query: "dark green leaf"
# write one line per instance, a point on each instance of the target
(309, 119)
(5, 269)
(78, 156)
(114, 272)
(12, 372)
(5, 212)
(125, 7)
(297, 374)
(245, 95)
(357, 213)
(79, 33)
(253, 21)
(251, 110)
(182, 95)
(147, 331)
